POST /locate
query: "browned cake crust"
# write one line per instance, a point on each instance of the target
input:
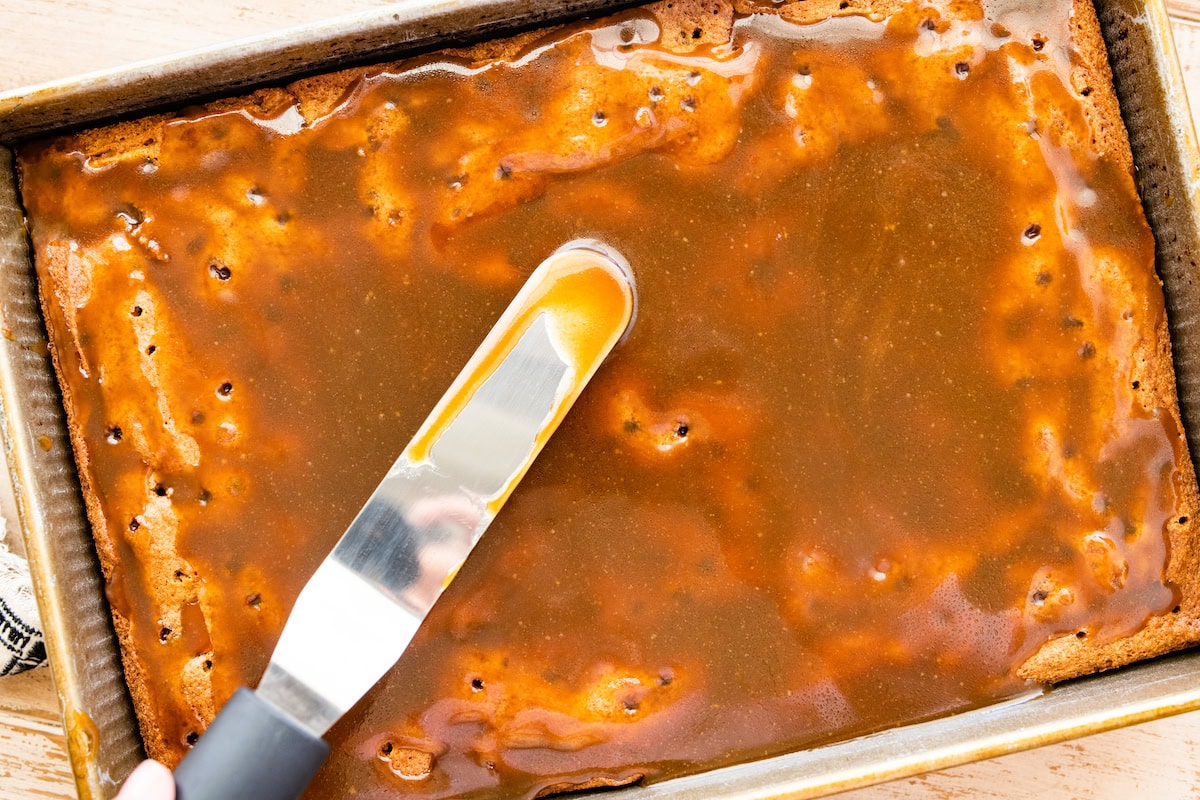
(1074, 656)
(686, 25)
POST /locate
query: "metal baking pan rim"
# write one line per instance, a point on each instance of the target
(1131, 695)
(230, 67)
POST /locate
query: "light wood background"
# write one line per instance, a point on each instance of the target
(46, 39)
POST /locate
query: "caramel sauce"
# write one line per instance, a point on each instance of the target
(874, 438)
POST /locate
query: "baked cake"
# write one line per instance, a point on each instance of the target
(894, 434)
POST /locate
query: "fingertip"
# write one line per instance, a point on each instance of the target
(150, 781)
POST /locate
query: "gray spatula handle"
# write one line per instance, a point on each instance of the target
(252, 751)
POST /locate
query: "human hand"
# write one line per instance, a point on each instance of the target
(150, 781)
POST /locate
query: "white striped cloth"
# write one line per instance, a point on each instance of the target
(21, 644)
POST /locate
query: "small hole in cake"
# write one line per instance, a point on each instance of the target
(631, 707)
(962, 69)
(697, 33)
(656, 94)
(225, 389)
(1039, 43)
(1088, 350)
(1043, 278)
(131, 215)
(283, 217)
(631, 426)
(254, 600)
(204, 497)
(928, 25)
(385, 749)
(1183, 520)
(1081, 635)
(503, 172)
(688, 104)
(843, 5)
(599, 119)
(1136, 384)
(1175, 610)
(164, 634)
(114, 434)
(665, 678)
(207, 664)
(1039, 597)
(136, 311)
(151, 349)
(134, 524)
(191, 738)
(1033, 232)
(179, 575)
(220, 271)
(681, 430)
(1085, 91)
(477, 684)
(160, 490)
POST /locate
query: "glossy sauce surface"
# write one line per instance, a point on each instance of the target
(874, 437)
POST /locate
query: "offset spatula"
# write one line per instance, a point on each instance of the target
(418, 526)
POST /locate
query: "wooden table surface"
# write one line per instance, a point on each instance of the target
(46, 39)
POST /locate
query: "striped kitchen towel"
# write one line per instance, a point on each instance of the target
(21, 644)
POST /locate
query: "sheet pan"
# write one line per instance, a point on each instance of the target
(101, 731)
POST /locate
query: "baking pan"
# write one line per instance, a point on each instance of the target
(101, 731)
